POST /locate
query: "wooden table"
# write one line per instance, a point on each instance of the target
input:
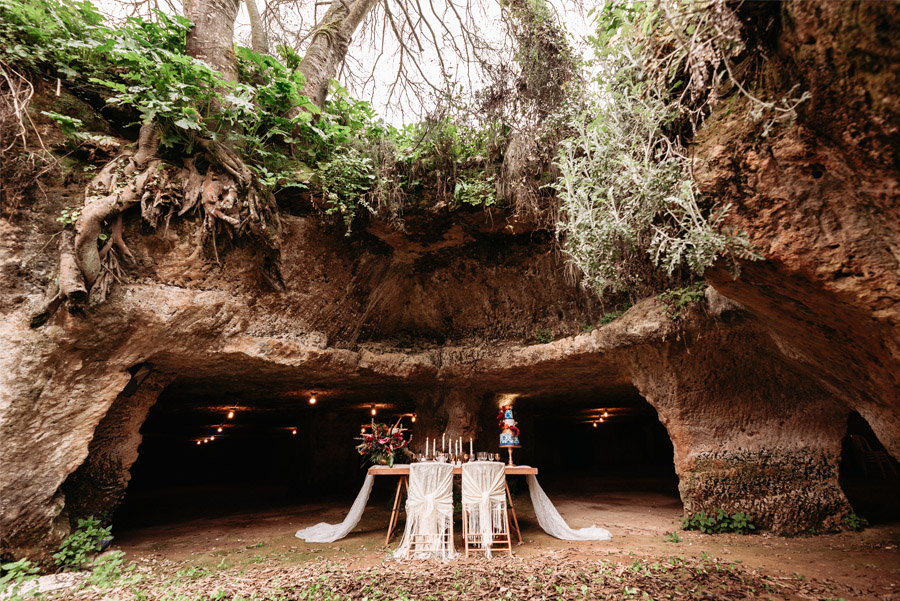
(403, 484)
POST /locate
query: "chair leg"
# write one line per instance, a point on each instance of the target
(465, 529)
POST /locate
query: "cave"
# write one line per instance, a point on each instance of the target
(870, 477)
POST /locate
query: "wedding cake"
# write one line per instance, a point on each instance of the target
(509, 433)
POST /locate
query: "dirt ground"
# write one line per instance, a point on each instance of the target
(853, 565)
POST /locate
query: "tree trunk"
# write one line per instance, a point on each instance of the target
(212, 37)
(329, 45)
(259, 41)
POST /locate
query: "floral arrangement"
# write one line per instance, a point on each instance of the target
(382, 444)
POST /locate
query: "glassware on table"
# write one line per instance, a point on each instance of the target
(482, 456)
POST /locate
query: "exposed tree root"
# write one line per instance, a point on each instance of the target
(231, 202)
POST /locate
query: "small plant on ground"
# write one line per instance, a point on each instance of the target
(614, 315)
(13, 575)
(719, 521)
(586, 327)
(87, 539)
(672, 537)
(110, 570)
(855, 522)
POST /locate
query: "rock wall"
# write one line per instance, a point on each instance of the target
(819, 201)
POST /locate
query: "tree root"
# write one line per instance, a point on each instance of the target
(227, 194)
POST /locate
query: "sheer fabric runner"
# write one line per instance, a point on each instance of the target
(553, 523)
(484, 497)
(328, 533)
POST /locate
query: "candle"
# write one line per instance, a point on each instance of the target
(471, 452)
(459, 452)
(444, 442)
(426, 448)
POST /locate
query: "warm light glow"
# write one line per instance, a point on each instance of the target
(230, 414)
(414, 418)
(507, 399)
(312, 400)
(219, 429)
(595, 424)
(362, 430)
(373, 410)
(198, 442)
(212, 437)
(205, 441)
(294, 431)
(605, 413)
(601, 420)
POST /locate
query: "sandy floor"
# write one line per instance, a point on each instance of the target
(866, 564)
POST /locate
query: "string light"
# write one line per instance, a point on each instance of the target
(595, 424)
(205, 440)
(605, 413)
(294, 431)
(601, 420)
(231, 415)
(198, 442)
(413, 418)
(373, 410)
(362, 430)
(219, 429)
(212, 437)
(312, 400)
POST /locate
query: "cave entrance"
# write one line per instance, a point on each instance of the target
(607, 447)
(212, 455)
(869, 476)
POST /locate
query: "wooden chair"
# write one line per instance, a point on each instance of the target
(429, 512)
(485, 513)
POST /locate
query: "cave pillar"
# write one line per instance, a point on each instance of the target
(749, 432)
(454, 411)
(98, 485)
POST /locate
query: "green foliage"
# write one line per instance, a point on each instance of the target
(719, 521)
(672, 537)
(69, 125)
(86, 539)
(479, 192)
(543, 336)
(679, 298)
(625, 186)
(586, 327)
(68, 216)
(614, 315)
(13, 576)
(110, 570)
(855, 522)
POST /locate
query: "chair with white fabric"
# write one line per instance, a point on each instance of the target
(429, 512)
(485, 519)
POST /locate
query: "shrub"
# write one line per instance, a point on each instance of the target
(87, 538)
(13, 575)
(855, 522)
(719, 521)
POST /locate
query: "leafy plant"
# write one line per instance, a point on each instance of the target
(87, 538)
(68, 216)
(614, 315)
(543, 336)
(672, 537)
(110, 570)
(855, 522)
(480, 192)
(14, 575)
(586, 327)
(719, 521)
(679, 298)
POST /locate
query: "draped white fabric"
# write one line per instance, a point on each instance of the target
(429, 511)
(328, 533)
(484, 497)
(553, 523)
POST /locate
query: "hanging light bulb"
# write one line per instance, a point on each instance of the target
(219, 429)
(362, 430)
(312, 400)
(205, 440)
(373, 410)
(212, 437)
(595, 424)
(413, 418)
(601, 420)
(198, 442)
(294, 431)
(231, 415)
(605, 413)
